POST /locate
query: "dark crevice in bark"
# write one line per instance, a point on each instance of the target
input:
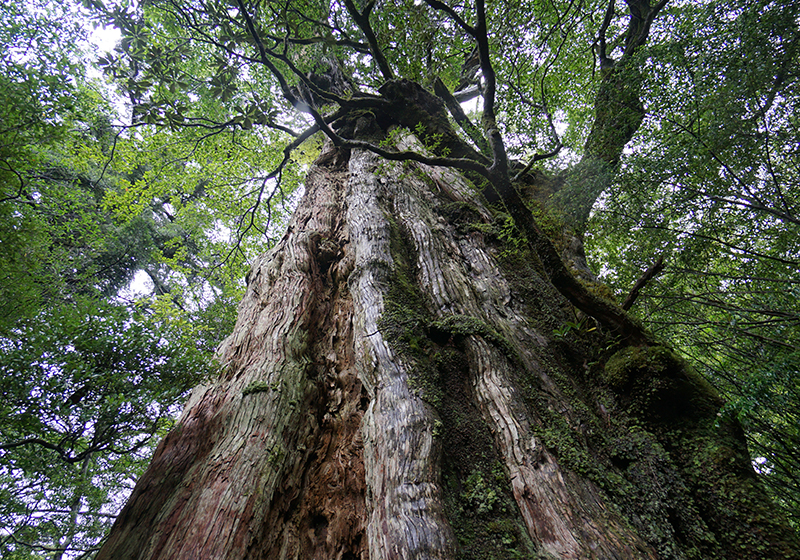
(321, 512)
(477, 493)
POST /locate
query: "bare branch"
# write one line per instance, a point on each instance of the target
(536, 158)
(20, 178)
(437, 5)
(263, 54)
(362, 20)
(648, 275)
(275, 173)
(489, 120)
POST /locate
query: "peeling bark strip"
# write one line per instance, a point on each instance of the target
(399, 386)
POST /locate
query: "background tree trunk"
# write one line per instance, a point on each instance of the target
(404, 382)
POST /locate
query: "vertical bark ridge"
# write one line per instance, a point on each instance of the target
(566, 515)
(401, 454)
(221, 474)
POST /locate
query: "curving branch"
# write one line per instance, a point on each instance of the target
(362, 20)
(263, 54)
(441, 6)
(537, 158)
(602, 54)
(20, 178)
(63, 453)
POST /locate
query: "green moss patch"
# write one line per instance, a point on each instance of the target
(256, 387)
(654, 382)
(477, 492)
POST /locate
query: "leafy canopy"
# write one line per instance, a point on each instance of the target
(680, 116)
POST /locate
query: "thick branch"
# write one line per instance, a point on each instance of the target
(467, 94)
(489, 120)
(618, 114)
(460, 117)
(642, 17)
(609, 315)
(412, 106)
(362, 20)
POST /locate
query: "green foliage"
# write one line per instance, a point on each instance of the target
(87, 390)
(195, 184)
(712, 185)
(92, 373)
(481, 495)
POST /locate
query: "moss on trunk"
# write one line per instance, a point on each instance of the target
(403, 383)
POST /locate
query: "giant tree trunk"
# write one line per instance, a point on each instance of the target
(404, 382)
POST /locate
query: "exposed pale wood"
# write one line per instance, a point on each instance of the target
(401, 454)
